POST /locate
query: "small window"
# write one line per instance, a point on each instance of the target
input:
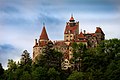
(66, 61)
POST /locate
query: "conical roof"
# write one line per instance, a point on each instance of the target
(99, 30)
(72, 18)
(81, 35)
(44, 35)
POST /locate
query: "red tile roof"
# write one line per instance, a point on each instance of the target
(44, 34)
(60, 43)
(43, 43)
(81, 35)
(99, 30)
(70, 29)
(81, 40)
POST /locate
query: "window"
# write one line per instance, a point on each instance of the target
(66, 61)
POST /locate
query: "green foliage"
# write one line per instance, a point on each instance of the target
(1, 71)
(50, 58)
(100, 63)
(113, 70)
(11, 65)
(39, 73)
(25, 58)
(25, 76)
(76, 76)
(53, 74)
(78, 51)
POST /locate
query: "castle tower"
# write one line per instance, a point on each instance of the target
(99, 34)
(37, 49)
(71, 30)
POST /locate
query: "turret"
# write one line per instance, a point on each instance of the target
(71, 30)
(100, 34)
(44, 35)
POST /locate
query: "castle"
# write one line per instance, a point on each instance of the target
(71, 34)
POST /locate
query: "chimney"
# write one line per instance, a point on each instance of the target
(84, 31)
(35, 41)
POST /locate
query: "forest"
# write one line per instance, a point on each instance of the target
(100, 63)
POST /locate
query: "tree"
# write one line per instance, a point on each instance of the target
(78, 51)
(53, 74)
(26, 76)
(1, 71)
(76, 76)
(39, 73)
(12, 66)
(113, 70)
(50, 57)
(25, 58)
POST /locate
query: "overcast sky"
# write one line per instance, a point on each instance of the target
(21, 21)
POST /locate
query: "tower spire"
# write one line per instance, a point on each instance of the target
(72, 15)
(43, 24)
(72, 18)
(44, 35)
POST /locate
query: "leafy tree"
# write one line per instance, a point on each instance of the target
(25, 62)
(25, 76)
(78, 51)
(12, 66)
(100, 63)
(53, 74)
(113, 70)
(50, 57)
(1, 71)
(25, 58)
(76, 76)
(39, 73)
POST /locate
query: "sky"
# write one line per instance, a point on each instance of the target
(21, 22)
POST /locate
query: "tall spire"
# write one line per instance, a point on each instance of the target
(44, 35)
(72, 18)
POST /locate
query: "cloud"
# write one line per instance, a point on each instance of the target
(8, 51)
(9, 9)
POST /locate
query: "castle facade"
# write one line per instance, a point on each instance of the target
(71, 34)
